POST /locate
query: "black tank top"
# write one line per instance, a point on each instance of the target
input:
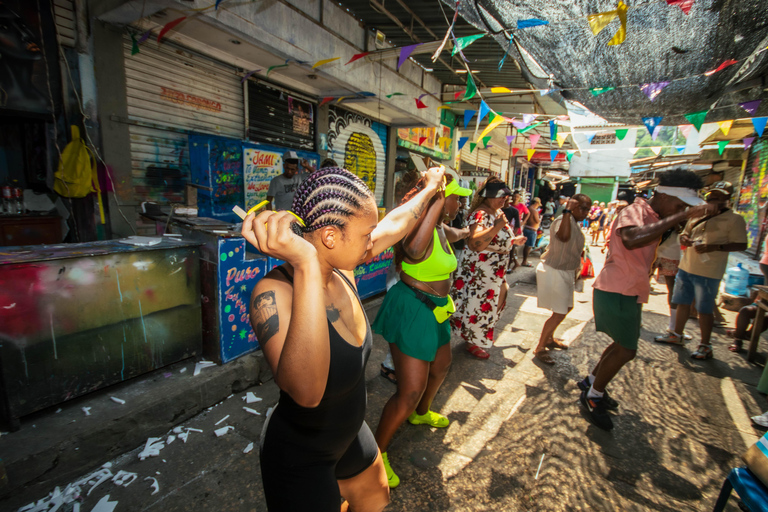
(323, 433)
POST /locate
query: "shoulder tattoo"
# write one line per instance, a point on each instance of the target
(264, 317)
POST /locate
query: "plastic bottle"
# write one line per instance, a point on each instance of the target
(737, 280)
(18, 199)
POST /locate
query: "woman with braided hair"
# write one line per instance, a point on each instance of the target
(311, 325)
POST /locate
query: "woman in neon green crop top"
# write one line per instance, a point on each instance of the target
(414, 319)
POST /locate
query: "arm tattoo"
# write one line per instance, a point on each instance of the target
(264, 316)
(332, 313)
(416, 211)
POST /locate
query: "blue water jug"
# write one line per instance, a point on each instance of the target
(737, 280)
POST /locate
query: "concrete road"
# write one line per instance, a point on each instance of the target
(681, 426)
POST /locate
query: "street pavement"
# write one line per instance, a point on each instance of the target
(518, 439)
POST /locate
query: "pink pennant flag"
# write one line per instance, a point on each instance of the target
(748, 142)
(685, 5)
(685, 129)
(653, 89)
(406, 52)
(729, 62)
(534, 137)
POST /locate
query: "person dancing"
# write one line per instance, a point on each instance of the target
(315, 336)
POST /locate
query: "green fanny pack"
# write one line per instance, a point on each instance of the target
(442, 313)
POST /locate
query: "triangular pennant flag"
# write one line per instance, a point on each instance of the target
(500, 90)
(169, 26)
(590, 136)
(656, 150)
(725, 126)
(651, 123)
(620, 134)
(552, 130)
(748, 142)
(468, 115)
(759, 124)
(569, 154)
(282, 96)
(217, 5)
(685, 129)
(395, 94)
(656, 132)
(248, 75)
(750, 106)
(534, 137)
(633, 150)
(561, 139)
(721, 146)
(405, 52)
(620, 34)
(530, 153)
(597, 22)
(356, 57)
(463, 42)
(533, 22)
(553, 154)
(729, 62)
(458, 94)
(145, 36)
(270, 68)
(419, 103)
(528, 118)
(484, 109)
(529, 128)
(327, 99)
(685, 5)
(680, 149)
(514, 151)
(493, 124)
(510, 138)
(596, 91)
(462, 141)
(486, 140)
(134, 45)
(471, 88)
(653, 89)
(697, 119)
(421, 140)
(342, 99)
(472, 146)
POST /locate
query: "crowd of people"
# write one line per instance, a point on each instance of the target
(450, 276)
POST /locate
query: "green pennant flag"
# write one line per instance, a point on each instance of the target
(620, 134)
(697, 119)
(134, 45)
(472, 146)
(721, 146)
(486, 140)
(569, 154)
(529, 128)
(471, 89)
(395, 94)
(463, 42)
(596, 91)
(492, 116)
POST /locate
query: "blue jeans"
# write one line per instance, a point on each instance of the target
(690, 286)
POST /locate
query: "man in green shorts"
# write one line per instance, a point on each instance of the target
(623, 285)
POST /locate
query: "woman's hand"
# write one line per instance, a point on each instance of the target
(270, 232)
(520, 240)
(501, 219)
(433, 178)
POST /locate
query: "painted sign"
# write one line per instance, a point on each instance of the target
(371, 276)
(189, 100)
(433, 141)
(359, 144)
(216, 163)
(261, 163)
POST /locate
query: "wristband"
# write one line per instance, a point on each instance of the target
(566, 210)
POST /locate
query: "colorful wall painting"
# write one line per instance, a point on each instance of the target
(753, 198)
(371, 276)
(436, 142)
(359, 144)
(261, 163)
(217, 163)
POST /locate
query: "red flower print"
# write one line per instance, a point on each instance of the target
(483, 257)
(490, 294)
(472, 267)
(485, 307)
(500, 272)
(489, 334)
(459, 284)
(473, 319)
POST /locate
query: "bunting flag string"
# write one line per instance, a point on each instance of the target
(421, 140)
(327, 99)
(471, 88)
(506, 54)
(420, 104)
(324, 61)
(685, 129)
(484, 109)
(145, 36)
(269, 70)
(656, 132)
(462, 42)
(656, 150)
(493, 124)
(590, 136)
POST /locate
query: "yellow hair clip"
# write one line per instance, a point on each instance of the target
(243, 214)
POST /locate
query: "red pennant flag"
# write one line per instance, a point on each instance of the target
(514, 151)
(327, 99)
(421, 140)
(685, 5)
(357, 56)
(729, 62)
(458, 94)
(168, 26)
(419, 103)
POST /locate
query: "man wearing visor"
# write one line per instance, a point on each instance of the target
(707, 240)
(623, 285)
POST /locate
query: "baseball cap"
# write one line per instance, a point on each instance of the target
(721, 186)
(453, 188)
(290, 155)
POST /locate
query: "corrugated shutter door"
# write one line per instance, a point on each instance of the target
(273, 119)
(170, 93)
(66, 27)
(478, 157)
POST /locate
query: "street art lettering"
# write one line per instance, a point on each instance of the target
(189, 100)
(261, 164)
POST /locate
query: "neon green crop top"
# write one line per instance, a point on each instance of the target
(437, 267)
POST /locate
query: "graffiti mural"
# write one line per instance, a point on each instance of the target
(754, 192)
(360, 145)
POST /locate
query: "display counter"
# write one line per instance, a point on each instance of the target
(79, 317)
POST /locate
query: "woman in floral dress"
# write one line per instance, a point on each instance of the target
(480, 287)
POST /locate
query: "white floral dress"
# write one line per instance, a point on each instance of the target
(478, 283)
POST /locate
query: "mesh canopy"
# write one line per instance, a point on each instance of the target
(662, 44)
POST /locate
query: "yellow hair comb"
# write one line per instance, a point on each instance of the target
(243, 214)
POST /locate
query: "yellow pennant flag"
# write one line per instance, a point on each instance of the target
(442, 107)
(597, 22)
(531, 152)
(493, 124)
(725, 126)
(620, 34)
(324, 61)
(561, 138)
(656, 150)
(497, 90)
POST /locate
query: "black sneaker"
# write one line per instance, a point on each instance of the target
(610, 403)
(597, 411)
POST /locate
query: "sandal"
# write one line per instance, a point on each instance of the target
(388, 374)
(703, 352)
(526, 265)
(477, 351)
(557, 343)
(544, 356)
(736, 345)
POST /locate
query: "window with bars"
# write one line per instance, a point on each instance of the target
(607, 138)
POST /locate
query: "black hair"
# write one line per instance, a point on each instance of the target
(582, 198)
(328, 162)
(681, 178)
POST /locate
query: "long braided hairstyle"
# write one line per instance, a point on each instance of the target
(329, 197)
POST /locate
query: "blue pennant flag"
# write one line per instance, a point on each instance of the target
(501, 62)
(468, 115)
(651, 123)
(533, 22)
(759, 124)
(680, 149)
(552, 130)
(484, 109)
(553, 154)
(590, 136)
(462, 141)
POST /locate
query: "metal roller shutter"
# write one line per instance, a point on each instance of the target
(280, 118)
(477, 158)
(66, 26)
(170, 93)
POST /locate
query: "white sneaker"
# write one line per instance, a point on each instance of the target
(761, 420)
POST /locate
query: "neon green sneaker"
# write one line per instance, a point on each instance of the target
(392, 479)
(431, 418)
